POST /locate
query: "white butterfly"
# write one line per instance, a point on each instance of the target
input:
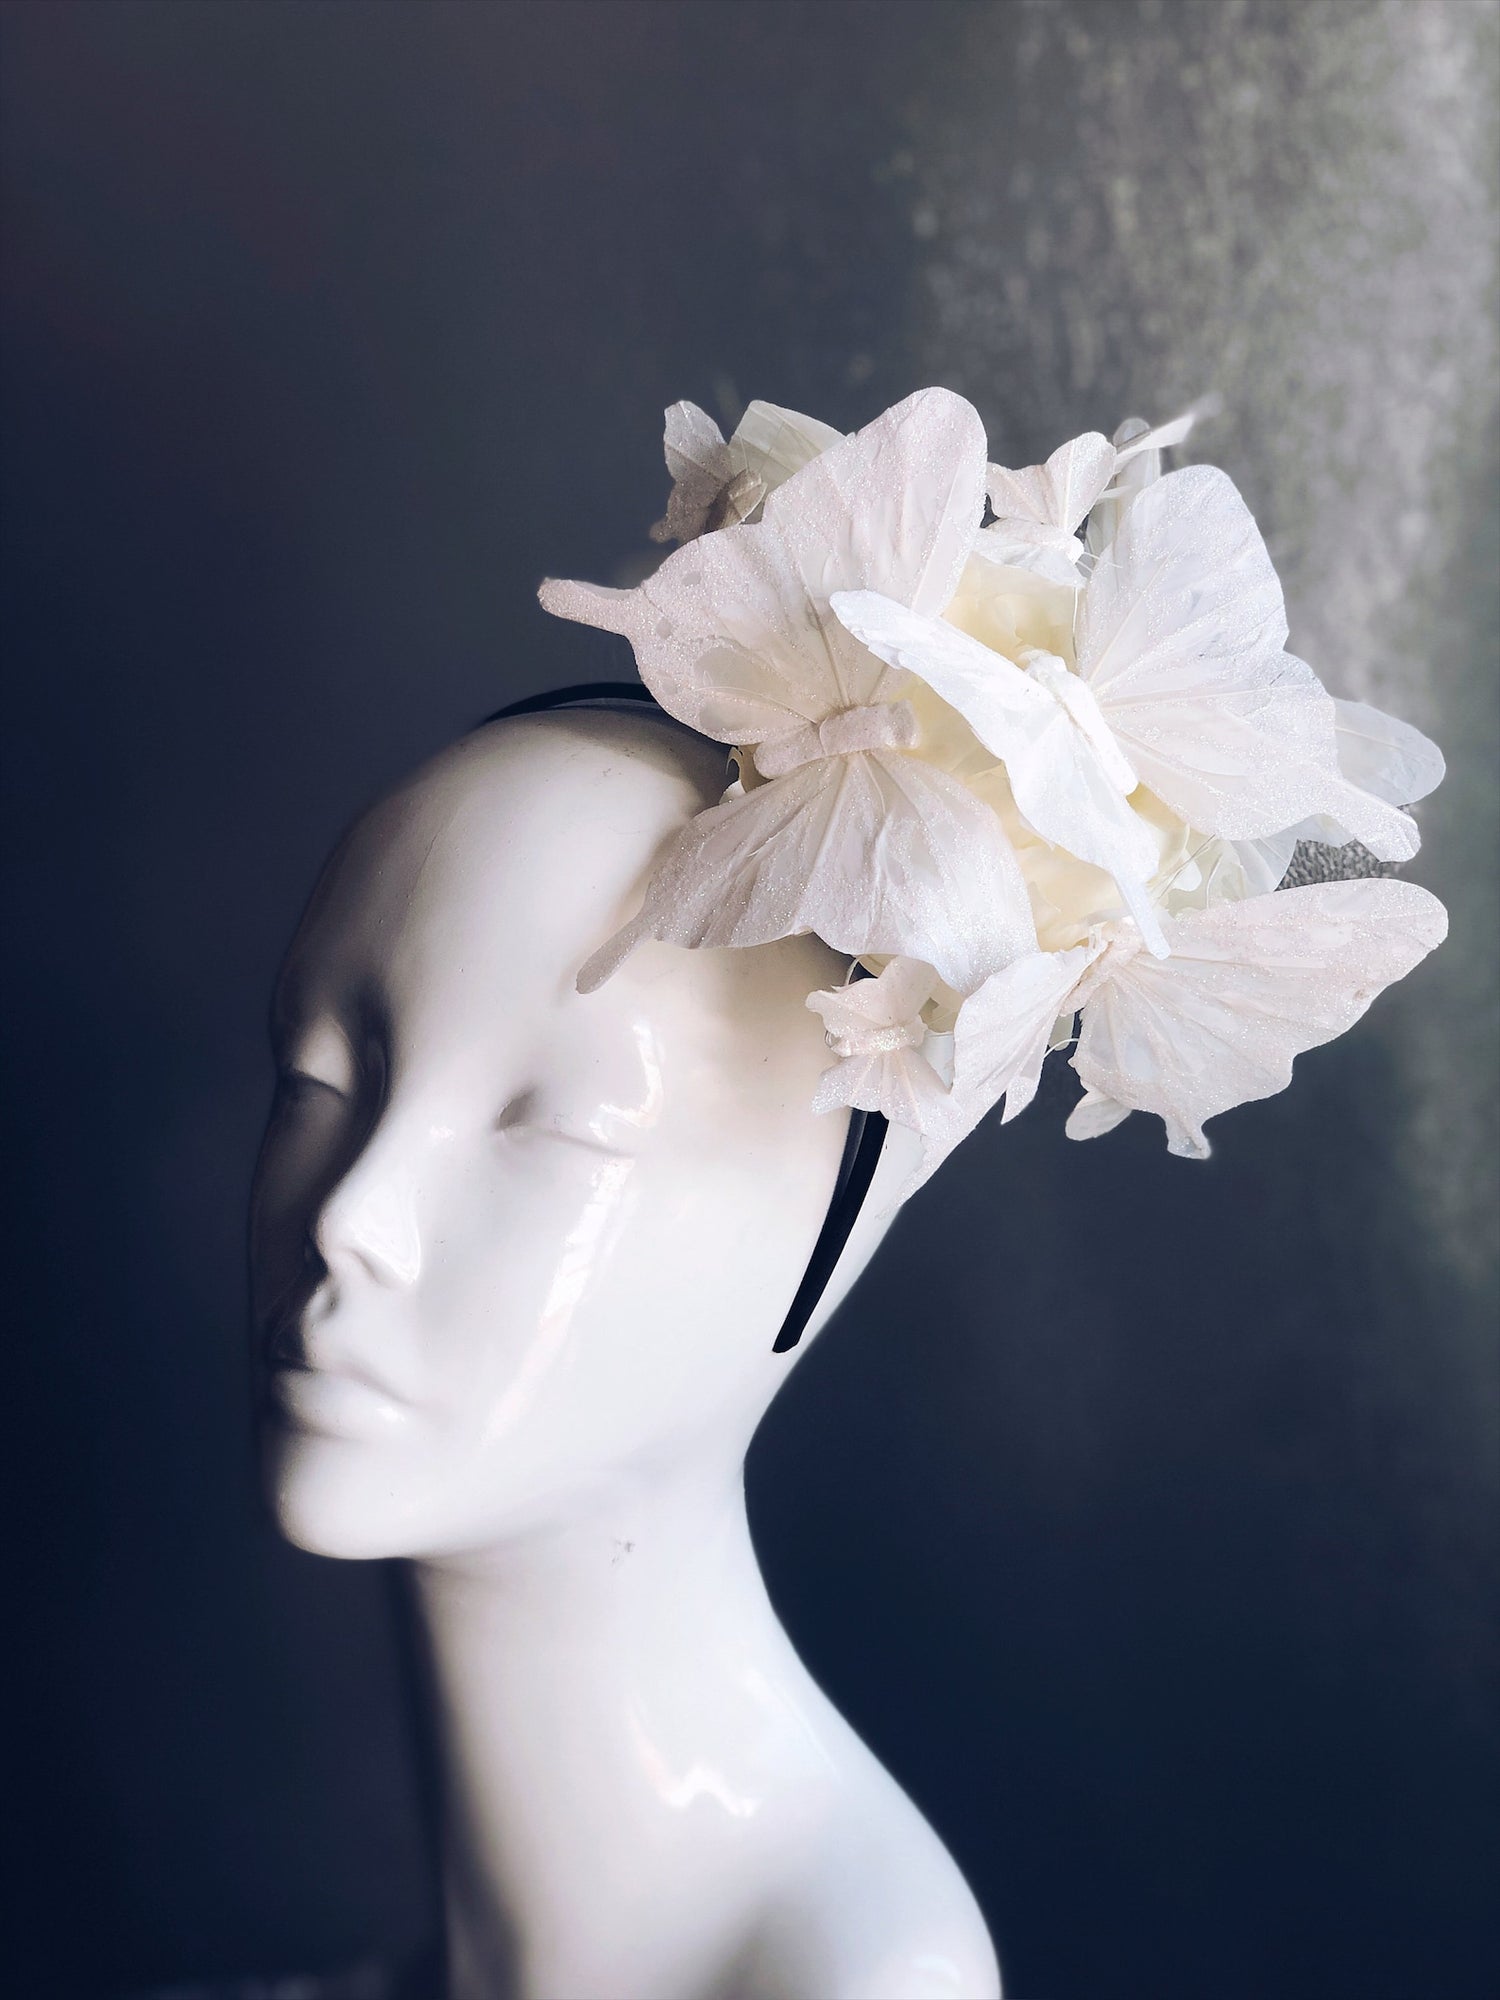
(1182, 685)
(1038, 511)
(1247, 988)
(853, 838)
(940, 1086)
(875, 1029)
(718, 482)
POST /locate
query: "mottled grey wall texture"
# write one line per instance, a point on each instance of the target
(1141, 1514)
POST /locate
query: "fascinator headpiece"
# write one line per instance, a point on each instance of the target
(1027, 747)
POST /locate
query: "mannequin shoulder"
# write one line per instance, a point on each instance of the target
(883, 1913)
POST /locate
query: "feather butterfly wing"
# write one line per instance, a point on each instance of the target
(734, 636)
(698, 460)
(1057, 774)
(1181, 638)
(875, 1027)
(1003, 1031)
(875, 853)
(1249, 986)
(773, 443)
(1038, 509)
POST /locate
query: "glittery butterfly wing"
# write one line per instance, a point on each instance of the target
(699, 462)
(1247, 988)
(875, 1030)
(999, 1044)
(871, 849)
(1386, 756)
(771, 443)
(876, 854)
(1003, 1031)
(1379, 755)
(1138, 449)
(733, 634)
(1181, 636)
(1038, 510)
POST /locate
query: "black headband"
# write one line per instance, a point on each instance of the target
(867, 1129)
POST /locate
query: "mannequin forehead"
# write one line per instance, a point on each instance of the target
(461, 907)
(515, 847)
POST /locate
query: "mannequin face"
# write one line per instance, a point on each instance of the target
(509, 1243)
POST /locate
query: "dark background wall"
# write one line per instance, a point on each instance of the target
(1140, 1514)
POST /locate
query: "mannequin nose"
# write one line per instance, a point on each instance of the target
(370, 1218)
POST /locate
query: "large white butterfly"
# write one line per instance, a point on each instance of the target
(1247, 988)
(853, 837)
(1182, 685)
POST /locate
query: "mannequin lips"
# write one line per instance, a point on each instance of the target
(333, 1403)
(337, 1397)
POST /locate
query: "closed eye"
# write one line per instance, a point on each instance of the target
(317, 1056)
(526, 1117)
(292, 1082)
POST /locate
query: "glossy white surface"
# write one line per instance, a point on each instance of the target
(519, 1259)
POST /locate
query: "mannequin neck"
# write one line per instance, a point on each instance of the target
(615, 1699)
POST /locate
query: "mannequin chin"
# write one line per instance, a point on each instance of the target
(519, 1257)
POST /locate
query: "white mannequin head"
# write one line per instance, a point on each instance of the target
(512, 1246)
